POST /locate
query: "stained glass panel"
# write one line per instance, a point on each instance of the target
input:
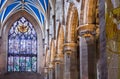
(34, 63)
(10, 63)
(28, 64)
(22, 46)
(22, 63)
(16, 63)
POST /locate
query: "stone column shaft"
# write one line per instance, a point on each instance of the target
(87, 46)
(70, 61)
(83, 58)
(59, 67)
(46, 73)
(58, 70)
(46, 76)
(51, 73)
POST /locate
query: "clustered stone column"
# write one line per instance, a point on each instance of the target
(70, 61)
(46, 75)
(87, 44)
(59, 67)
(51, 71)
(70, 45)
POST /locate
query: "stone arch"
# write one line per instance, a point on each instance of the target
(60, 40)
(92, 11)
(47, 57)
(52, 51)
(36, 26)
(19, 14)
(88, 11)
(72, 23)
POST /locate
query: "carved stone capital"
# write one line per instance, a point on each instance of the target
(59, 58)
(45, 70)
(51, 65)
(70, 47)
(88, 31)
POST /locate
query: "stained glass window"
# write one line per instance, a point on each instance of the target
(22, 46)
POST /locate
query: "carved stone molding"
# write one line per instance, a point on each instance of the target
(70, 47)
(51, 65)
(46, 70)
(88, 31)
(59, 58)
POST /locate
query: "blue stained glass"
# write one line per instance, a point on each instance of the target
(34, 63)
(10, 63)
(22, 46)
(10, 46)
(16, 63)
(34, 47)
(28, 64)
(22, 63)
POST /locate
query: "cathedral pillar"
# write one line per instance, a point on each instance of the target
(87, 44)
(46, 73)
(70, 45)
(59, 67)
(51, 71)
(70, 61)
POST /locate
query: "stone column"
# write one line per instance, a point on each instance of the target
(59, 67)
(70, 61)
(87, 44)
(46, 73)
(51, 71)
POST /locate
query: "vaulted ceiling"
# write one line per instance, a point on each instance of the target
(37, 8)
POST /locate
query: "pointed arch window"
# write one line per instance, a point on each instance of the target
(22, 46)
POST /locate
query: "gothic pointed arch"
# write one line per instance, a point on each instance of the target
(52, 51)
(72, 23)
(5, 32)
(18, 14)
(22, 47)
(88, 10)
(47, 57)
(60, 40)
